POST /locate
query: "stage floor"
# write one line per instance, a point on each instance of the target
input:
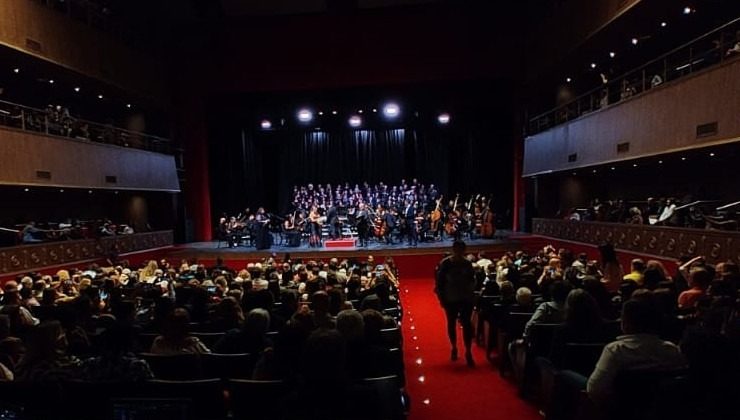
(505, 240)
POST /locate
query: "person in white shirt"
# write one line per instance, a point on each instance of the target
(639, 348)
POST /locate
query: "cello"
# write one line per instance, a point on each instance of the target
(487, 227)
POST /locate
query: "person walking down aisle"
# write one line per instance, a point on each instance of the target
(455, 286)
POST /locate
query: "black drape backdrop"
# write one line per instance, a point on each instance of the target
(259, 168)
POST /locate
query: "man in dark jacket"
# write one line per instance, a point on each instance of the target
(455, 286)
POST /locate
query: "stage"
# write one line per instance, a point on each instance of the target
(504, 241)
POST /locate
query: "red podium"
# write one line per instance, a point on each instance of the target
(339, 243)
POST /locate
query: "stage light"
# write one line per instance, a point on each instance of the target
(375, 109)
(61, 190)
(687, 10)
(89, 191)
(266, 124)
(593, 65)
(711, 154)
(321, 112)
(77, 88)
(635, 41)
(26, 190)
(613, 168)
(594, 171)
(568, 80)
(634, 165)
(51, 81)
(334, 113)
(444, 118)
(663, 24)
(16, 70)
(305, 115)
(100, 96)
(660, 162)
(391, 110)
(683, 158)
(612, 54)
(128, 105)
(355, 121)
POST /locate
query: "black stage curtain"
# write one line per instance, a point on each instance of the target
(260, 168)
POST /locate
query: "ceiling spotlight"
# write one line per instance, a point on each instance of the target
(444, 118)
(100, 96)
(612, 54)
(89, 191)
(26, 190)
(321, 112)
(266, 124)
(568, 80)
(375, 109)
(683, 158)
(613, 168)
(16, 70)
(355, 121)
(663, 24)
(687, 10)
(62, 190)
(711, 154)
(660, 162)
(334, 112)
(594, 171)
(574, 174)
(128, 105)
(634, 165)
(391, 110)
(51, 81)
(593, 65)
(360, 111)
(305, 115)
(635, 41)
(77, 88)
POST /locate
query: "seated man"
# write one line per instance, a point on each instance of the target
(639, 348)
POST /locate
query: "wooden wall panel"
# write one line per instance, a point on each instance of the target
(79, 47)
(665, 242)
(27, 258)
(660, 120)
(82, 164)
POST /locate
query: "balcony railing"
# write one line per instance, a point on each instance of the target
(712, 48)
(58, 122)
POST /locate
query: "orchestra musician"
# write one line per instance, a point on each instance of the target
(332, 218)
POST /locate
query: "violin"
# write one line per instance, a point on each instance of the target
(452, 217)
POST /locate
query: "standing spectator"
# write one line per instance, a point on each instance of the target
(455, 286)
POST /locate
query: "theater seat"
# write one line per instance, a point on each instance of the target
(392, 337)
(378, 399)
(238, 366)
(174, 367)
(582, 357)
(205, 397)
(258, 400)
(208, 338)
(652, 394)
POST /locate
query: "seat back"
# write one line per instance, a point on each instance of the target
(256, 399)
(515, 322)
(582, 357)
(391, 337)
(539, 340)
(174, 366)
(379, 399)
(649, 394)
(205, 397)
(150, 409)
(239, 366)
(23, 397)
(208, 338)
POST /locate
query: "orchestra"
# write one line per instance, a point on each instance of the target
(410, 212)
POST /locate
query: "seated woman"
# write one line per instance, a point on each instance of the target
(175, 338)
(582, 324)
(251, 338)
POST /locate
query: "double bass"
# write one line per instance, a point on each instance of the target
(380, 225)
(436, 216)
(487, 227)
(452, 216)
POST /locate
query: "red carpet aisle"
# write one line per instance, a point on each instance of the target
(441, 389)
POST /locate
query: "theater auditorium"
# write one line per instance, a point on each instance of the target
(369, 209)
